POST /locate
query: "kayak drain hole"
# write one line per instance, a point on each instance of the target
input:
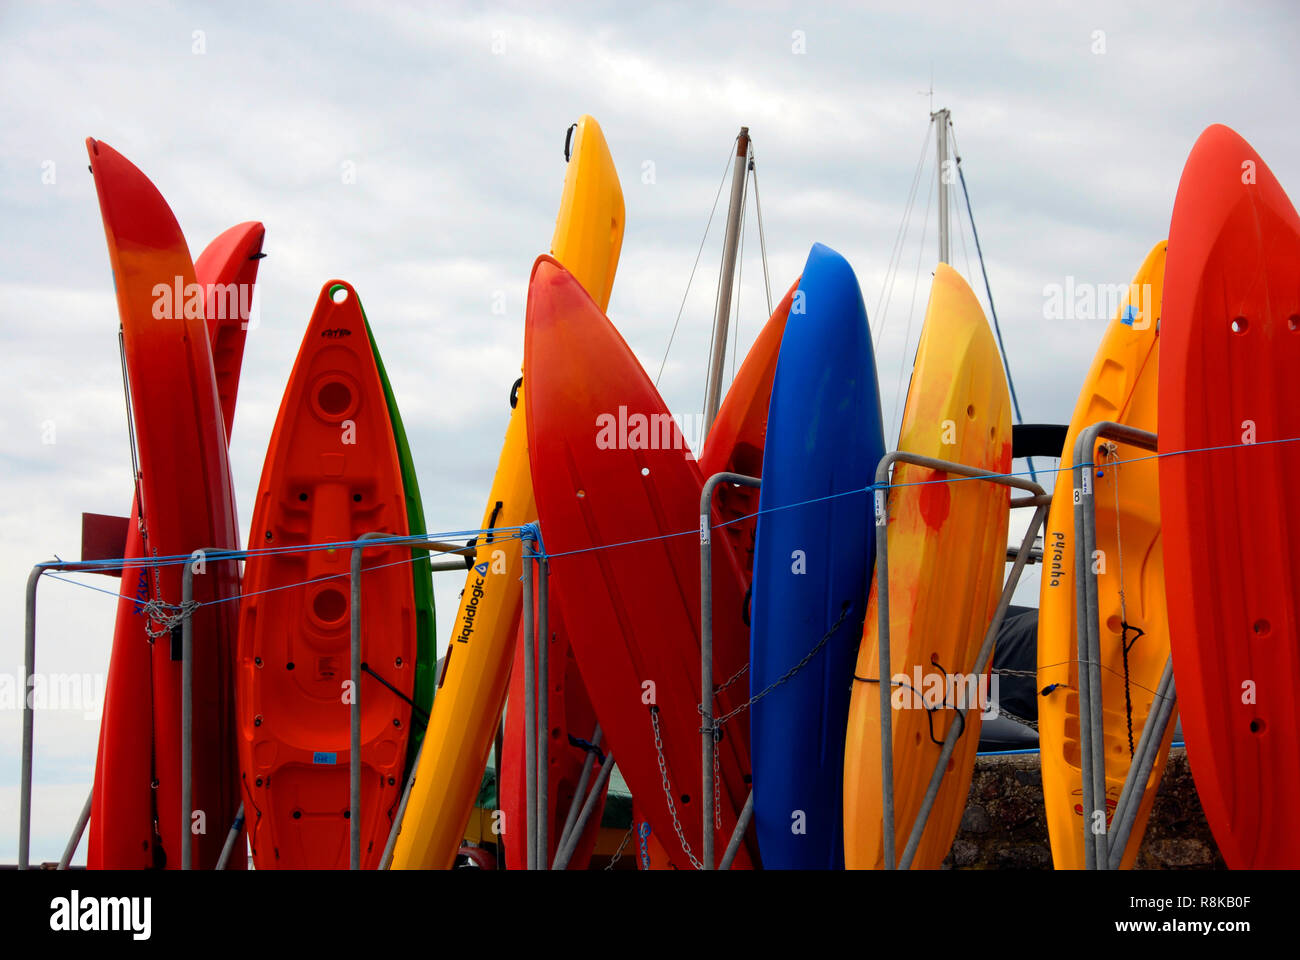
(1293, 322)
(1257, 725)
(330, 605)
(334, 398)
(1239, 325)
(1262, 628)
(339, 294)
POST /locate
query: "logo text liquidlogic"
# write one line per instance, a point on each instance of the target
(471, 610)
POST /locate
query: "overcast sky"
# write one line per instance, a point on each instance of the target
(1073, 127)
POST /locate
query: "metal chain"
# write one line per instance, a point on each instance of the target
(717, 783)
(621, 847)
(668, 791)
(788, 675)
(156, 612)
(1028, 674)
(734, 677)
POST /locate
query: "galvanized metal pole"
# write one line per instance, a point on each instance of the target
(236, 828)
(29, 718)
(1082, 480)
(718, 353)
(982, 659)
(530, 711)
(1139, 771)
(565, 854)
(543, 717)
(1038, 498)
(581, 791)
(885, 677)
(354, 753)
(387, 859)
(709, 743)
(1097, 846)
(77, 831)
(187, 717)
(738, 835)
(940, 118)
(1097, 732)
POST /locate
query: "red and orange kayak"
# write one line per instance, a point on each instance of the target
(121, 829)
(332, 474)
(186, 502)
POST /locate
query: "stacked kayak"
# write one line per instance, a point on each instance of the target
(184, 503)
(947, 549)
(122, 822)
(1227, 387)
(1194, 566)
(333, 474)
(813, 544)
(631, 611)
(1121, 387)
(472, 689)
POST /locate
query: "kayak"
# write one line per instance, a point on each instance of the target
(814, 541)
(120, 833)
(1228, 391)
(332, 474)
(1121, 386)
(947, 555)
(186, 504)
(471, 690)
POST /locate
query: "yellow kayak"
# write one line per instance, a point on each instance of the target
(1121, 386)
(947, 553)
(472, 690)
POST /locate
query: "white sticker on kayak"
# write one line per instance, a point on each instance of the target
(704, 528)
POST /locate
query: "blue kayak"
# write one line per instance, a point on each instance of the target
(812, 561)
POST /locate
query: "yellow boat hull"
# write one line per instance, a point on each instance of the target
(947, 552)
(472, 690)
(1121, 386)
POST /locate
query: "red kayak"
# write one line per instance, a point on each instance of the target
(610, 467)
(185, 491)
(1228, 364)
(332, 474)
(735, 441)
(121, 829)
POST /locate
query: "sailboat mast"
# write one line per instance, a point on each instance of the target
(718, 355)
(940, 117)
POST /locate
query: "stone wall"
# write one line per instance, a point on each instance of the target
(1004, 826)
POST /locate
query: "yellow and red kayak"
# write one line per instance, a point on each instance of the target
(947, 552)
(472, 689)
